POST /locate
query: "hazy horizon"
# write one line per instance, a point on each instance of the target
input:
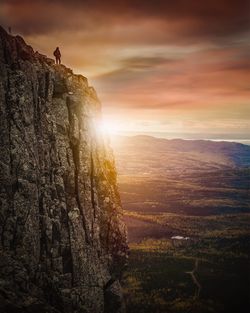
(187, 136)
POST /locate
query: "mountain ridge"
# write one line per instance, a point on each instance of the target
(182, 176)
(237, 153)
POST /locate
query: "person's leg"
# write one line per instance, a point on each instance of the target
(59, 60)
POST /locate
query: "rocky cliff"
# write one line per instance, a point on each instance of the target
(63, 244)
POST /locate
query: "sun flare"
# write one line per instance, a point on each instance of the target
(108, 127)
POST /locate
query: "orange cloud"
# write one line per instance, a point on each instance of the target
(186, 60)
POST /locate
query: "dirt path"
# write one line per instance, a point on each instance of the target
(198, 285)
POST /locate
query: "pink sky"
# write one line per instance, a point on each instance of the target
(158, 66)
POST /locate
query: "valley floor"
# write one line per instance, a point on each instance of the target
(197, 190)
(209, 272)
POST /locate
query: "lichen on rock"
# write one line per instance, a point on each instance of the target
(63, 244)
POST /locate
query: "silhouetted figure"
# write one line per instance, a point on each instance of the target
(57, 55)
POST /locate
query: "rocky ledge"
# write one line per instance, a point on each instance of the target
(63, 243)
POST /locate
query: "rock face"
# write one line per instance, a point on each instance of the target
(63, 243)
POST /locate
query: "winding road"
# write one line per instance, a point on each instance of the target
(198, 285)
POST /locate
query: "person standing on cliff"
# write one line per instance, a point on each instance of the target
(57, 55)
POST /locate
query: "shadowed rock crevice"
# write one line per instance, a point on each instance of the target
(74, 146)
(58, 193)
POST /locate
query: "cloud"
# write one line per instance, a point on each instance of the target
(201, 80)
(144, 63)
(188, 20)
(151, 58)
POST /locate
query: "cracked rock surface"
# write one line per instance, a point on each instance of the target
(62, 240)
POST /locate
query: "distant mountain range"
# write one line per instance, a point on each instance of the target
(149, 154)
(222, 153)
(197, 177)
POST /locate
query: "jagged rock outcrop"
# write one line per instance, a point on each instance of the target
(63, 244)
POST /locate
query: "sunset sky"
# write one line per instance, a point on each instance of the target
(177, 67)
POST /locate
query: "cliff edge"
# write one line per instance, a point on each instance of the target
(63, 242)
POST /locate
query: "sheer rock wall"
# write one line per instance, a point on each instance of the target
(63, 242)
